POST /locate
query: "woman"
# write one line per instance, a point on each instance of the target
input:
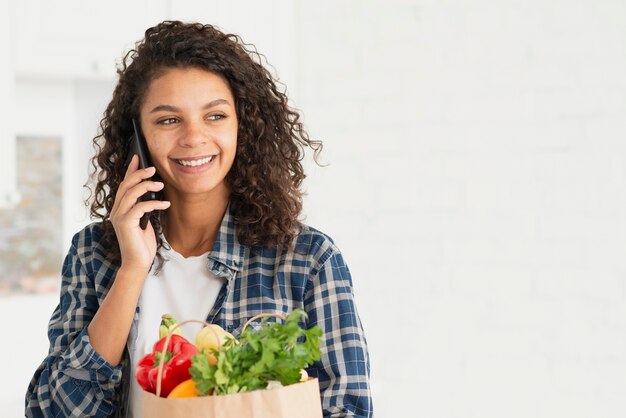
(223, 242)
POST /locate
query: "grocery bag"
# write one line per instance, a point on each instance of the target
(300, 400)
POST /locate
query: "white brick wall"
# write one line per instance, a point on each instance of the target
(477, 186)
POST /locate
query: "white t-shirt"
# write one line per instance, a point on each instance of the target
(184, 288)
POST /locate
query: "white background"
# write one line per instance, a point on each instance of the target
(477, 180)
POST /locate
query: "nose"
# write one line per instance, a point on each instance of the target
(194, 134)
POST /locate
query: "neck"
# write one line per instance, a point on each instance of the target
(192, 222)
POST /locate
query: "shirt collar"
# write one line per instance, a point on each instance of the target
(227, 250)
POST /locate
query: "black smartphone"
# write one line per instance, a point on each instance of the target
(138, 146)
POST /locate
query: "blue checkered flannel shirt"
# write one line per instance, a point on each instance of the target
(75, 381)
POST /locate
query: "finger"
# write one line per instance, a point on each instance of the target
(137, 211)
(133, 165)
(138, 176)
(130, 197)
(130, 181)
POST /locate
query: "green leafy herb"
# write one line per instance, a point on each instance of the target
(272, 352)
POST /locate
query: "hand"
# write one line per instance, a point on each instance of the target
(137, 246)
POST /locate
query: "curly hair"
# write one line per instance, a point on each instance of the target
(265, 179)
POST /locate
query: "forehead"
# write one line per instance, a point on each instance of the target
(187, 83)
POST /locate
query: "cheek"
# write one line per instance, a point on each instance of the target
(158, 154)
(232, 149)
(228, 141)
(229, 151)
(157, 147)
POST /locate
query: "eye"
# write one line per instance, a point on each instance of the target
(167, 121)
(217, 116)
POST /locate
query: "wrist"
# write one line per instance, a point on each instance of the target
(132, 274)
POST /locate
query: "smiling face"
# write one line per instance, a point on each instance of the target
(189, 121)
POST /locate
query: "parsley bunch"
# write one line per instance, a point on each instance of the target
(272, 352)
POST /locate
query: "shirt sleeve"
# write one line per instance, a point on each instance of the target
(73, 380)
(343, 369)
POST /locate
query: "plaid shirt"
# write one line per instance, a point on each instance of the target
(75, 381)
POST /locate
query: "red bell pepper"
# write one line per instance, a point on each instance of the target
(176, 367)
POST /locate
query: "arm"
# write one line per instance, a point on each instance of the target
(109, 329)
(343, 370)
(82, 370)
(74, 380)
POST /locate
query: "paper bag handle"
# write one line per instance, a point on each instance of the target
(263, 315)
(167, 343)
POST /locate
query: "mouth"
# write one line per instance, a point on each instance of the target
(194, 162)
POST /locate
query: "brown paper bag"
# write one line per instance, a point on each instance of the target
(300, 400)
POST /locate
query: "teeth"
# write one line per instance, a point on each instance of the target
(194, 163)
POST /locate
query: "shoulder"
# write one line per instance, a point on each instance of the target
(329, 271)
(309, 248)
(89, 237)
(89, 243)
(315, 245)
(89, 257)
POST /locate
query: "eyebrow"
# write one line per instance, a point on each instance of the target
(169, 108)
